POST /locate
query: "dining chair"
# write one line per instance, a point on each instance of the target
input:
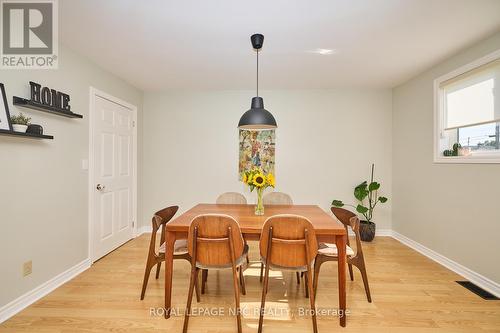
(288, 242)
(215, 242)
(328, 252)
(227, 198)
(277, 198)
(231, 198)
(156, 257)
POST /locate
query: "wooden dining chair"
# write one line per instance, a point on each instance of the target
(288, 242)
(277, 198)
(227, 198)
(328, 252)
(231, 198)
(156, 257)
(215, 242)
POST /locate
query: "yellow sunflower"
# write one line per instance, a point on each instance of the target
(271, 180)
(259, 180)
(244, 178)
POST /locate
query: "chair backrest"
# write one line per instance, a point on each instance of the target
(277, 198)
(288, 240)
(349, 219)
(231, 198)
(215, 240)
(160, 219)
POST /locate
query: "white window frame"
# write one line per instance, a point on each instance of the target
(439, 117)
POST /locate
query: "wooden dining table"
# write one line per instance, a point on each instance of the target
(327, 228)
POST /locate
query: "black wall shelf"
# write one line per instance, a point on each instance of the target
(26, 135)
(19, 101)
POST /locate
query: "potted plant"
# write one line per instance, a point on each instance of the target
(256, 179)
(365, 192)
(20, 123)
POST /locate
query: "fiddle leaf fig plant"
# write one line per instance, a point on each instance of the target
(367, 196)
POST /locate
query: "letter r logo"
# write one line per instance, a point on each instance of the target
(27, 27)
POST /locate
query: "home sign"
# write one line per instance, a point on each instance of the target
(49, 97)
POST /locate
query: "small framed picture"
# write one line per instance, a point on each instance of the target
(4, 111)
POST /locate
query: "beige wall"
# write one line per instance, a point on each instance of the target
(325, 144)
(43, 190)
(452, 209)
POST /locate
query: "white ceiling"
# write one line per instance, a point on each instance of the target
(188, 44)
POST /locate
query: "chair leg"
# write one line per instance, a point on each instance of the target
(362, 269)
(147, 271)
(237, 296)
(204, 277)
(298, 277)
(263, 299)
(197, 287)
(317, 266)
(158, 267)
(306, 285)
(242, 281)
(312, 300)
(261, 270)
(192, 282)
(351, 275)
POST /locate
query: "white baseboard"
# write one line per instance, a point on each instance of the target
(378, 232)
(34, 295)
(474, 277)
(145, 229)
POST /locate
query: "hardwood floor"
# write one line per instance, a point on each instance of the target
(410, 294)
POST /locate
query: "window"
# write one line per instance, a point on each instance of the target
(467, 113)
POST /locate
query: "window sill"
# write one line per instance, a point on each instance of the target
(485, 158)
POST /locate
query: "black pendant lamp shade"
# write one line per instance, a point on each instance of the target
(257, 117)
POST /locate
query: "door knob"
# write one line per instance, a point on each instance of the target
(100, 187)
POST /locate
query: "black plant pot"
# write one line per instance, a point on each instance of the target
(367, 231)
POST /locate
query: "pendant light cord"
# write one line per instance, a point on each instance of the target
(257, 73)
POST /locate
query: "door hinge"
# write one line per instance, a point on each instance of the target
(133, 224)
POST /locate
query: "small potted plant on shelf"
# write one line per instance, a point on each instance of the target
(365, 192)
(20, 122)
(257, 179)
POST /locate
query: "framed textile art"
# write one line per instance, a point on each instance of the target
(257, 149)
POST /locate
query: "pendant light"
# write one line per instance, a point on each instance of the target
(257, 117)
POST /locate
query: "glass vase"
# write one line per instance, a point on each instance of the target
(259, 207)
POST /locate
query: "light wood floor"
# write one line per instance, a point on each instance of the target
(410, 294)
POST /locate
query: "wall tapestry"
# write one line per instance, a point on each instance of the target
(257, 149)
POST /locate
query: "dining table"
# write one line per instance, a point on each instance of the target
(327, 229)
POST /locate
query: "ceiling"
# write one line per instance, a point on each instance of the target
(161, 44)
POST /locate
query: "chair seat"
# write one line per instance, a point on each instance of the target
(180, 247)
(330, 249)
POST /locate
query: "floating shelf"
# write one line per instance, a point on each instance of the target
(19, 101)
(26, 135)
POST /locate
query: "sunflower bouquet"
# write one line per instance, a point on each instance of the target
(257, 179)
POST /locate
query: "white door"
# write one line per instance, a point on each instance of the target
(113, 175)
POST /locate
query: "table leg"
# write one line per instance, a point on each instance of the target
(341, 247)
(169, 260)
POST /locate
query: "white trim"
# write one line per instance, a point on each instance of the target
(93, 93)
(144, 230)
(34, 295)
(378, 232)
(480, 158)
(454, 266)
